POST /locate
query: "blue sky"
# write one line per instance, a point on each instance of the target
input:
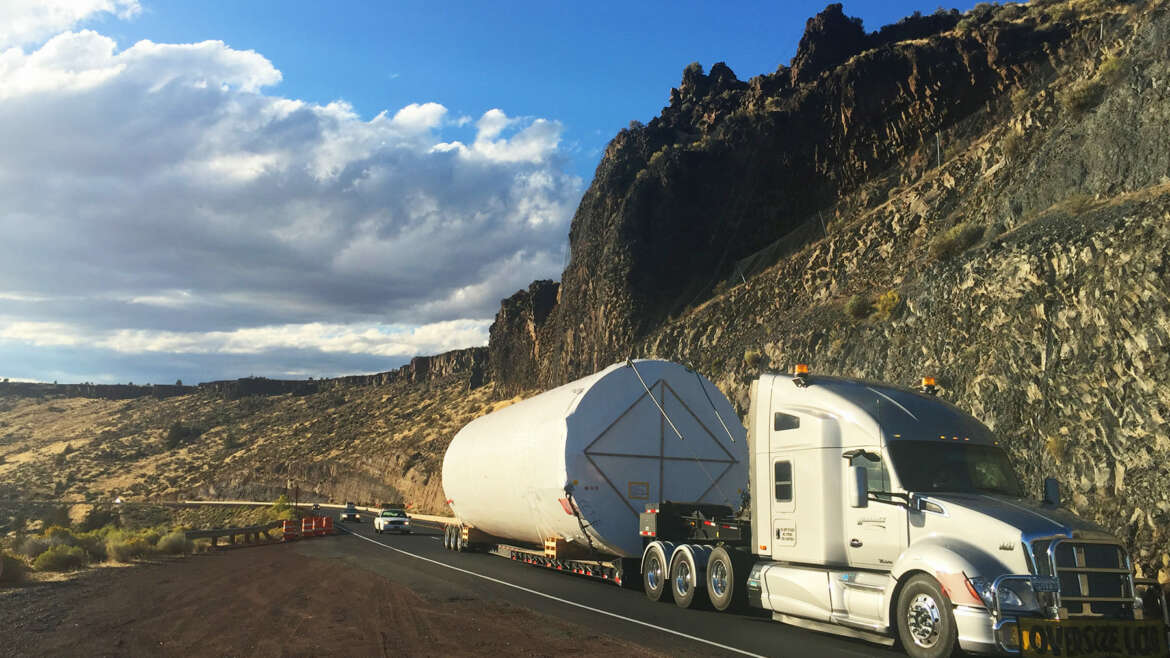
(593, 66)
(220, 189)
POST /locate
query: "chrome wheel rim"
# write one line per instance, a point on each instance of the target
(924, 621)
(682, 581)
(654, 573)
(719, 579)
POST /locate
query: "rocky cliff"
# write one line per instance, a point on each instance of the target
(981, 197)
(731, 166)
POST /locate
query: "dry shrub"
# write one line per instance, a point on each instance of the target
(1112, 68)
(175, 543)
(12, 569)
(752, 358)
(858, 307)
(955, 241)
(32, 547)
(127, 549)
(887, 304)
(1082, 96)
(1013, 144)
(61, 558)
(58, 536)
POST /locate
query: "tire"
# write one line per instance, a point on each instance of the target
(460, 545)
(655, 573)
(926, 623)
(447, 537)
(726, 579)
(684, 580)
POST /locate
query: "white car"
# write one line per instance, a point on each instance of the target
(392, 520)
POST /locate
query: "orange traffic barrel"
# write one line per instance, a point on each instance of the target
(329, 525)
(290, 530)
(319, 526)
(307, 526)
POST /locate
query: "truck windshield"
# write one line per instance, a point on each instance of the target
(957, 467)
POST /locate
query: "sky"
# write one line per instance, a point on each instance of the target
(222, 189)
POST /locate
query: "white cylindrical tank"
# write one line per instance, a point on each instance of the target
(604, 439)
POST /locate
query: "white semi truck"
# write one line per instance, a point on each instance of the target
(875, 512)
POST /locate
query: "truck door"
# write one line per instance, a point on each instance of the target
(877, 534)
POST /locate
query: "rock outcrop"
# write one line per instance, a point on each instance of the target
(729, 167)
(983, 197)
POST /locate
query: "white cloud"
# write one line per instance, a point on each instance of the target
(161, 197)
(28, 21)
(365, 338)
(41, 334)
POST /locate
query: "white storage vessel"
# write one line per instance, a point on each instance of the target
(578, 463)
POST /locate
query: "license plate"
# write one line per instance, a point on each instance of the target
(1091, 638)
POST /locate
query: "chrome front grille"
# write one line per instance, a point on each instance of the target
(1096, 577)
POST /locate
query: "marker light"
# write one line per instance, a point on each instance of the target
(927, 382)
(800, 375)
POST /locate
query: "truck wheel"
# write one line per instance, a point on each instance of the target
(684, 579)
(726, 573)
(926, 625)
(655, 573)
(447, 536)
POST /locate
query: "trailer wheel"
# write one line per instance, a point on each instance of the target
(448, 536)
(926, 625)
(655, 573)
(684, 578)
(726, 573)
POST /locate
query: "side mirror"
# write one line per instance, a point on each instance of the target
(858, 487)
(1051, 492)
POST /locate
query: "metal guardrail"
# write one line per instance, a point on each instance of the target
(251, 534)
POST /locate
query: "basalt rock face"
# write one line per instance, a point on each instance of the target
(515, 333)
(986, 202)
(731, 166)
(830, 39)
(471, 363)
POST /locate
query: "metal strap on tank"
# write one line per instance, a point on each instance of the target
(714, 481)
(630, 363)
(712, 403)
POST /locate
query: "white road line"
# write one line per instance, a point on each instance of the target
(557, 598)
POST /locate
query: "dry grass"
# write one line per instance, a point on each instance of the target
(392, 435)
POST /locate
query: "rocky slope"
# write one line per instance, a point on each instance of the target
(372, 439)
(983, 198)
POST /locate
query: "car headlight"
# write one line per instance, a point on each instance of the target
(1007, 597)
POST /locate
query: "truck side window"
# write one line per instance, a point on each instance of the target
(786, 422)
(879, 477)
(784, 482)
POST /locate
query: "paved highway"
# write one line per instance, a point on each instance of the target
(419, 561)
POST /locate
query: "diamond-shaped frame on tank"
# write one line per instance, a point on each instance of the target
(689, 421)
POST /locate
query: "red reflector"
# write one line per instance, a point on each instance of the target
(708, 523)
(565, 505)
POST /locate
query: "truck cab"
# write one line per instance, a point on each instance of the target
(882, 512)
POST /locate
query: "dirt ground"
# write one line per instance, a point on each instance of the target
(268, 601)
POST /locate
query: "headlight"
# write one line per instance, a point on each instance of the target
(1007, 597)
